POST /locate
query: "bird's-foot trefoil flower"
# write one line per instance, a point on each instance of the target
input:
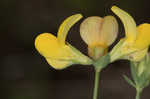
(98, 33)
(134, 45)
(58, 53)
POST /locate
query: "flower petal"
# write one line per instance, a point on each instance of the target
(109, 30)
(47, 45)
(65, 26)
(58, 64)
(138, 55)
(143, 37)
(129, 23)
(90, 30)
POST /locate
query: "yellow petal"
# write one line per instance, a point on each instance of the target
(109, 30)
(128, 22)
(90, 30)
(143, 37)
(65, 27)
(58, 64)
(47, 45)
(138, 55)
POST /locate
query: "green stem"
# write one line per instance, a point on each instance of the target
(138, 93)
(95, 93)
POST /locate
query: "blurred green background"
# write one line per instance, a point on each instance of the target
(24, 74)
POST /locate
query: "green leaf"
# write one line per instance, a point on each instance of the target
(129, 81)
(102, 62)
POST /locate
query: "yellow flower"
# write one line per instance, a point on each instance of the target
(98, 33)
(56, 51)
(134, 45)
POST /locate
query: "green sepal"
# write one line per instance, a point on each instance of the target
(134, 72)
(141, 78)
(145, 76)
(129, 81)
(116, 53)
(102, 62)
(144, 82)
(80, 58)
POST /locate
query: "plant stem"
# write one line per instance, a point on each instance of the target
(95, 93)
(138, 93)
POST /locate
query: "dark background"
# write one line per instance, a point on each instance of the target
(24, 74)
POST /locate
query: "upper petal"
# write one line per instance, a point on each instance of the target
(99, 31)
(65, 27)
(90, 30)
(129, 23)
(109, 30)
